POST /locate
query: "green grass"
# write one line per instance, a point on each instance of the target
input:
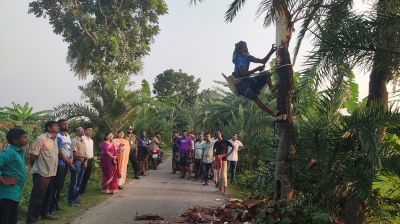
(91, 198)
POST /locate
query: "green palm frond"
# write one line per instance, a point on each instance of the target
(72, 110)
(359, 38)
(310, 16)
(79, 62)
(233, 9)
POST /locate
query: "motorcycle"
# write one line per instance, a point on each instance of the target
(155, 158)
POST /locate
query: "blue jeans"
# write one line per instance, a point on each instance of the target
(206, 170)
(76, 180)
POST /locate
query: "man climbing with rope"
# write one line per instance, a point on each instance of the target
(249, 85)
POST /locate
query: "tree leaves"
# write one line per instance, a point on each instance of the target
(178, 85)
(104, 37)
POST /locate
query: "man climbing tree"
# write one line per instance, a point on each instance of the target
(284, 14)
(245, 84)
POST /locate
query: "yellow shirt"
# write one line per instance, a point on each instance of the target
(79, 146)
(45, 147)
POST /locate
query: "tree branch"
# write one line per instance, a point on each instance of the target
(75, 4)
(116, 12)
(102, 12)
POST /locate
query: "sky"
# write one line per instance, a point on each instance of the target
(195, 39)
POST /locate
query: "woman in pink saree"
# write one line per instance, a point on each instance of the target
(108, 164)
(123, 150)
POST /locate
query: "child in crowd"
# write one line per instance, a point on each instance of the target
(12, 175)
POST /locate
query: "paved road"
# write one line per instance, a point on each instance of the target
(160, 193)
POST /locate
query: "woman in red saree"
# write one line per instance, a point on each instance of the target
(108, 164)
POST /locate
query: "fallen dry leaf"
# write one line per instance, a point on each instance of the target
(148, 217)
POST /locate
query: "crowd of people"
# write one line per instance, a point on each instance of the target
(209, 156)
(51, 156)
(55, 153)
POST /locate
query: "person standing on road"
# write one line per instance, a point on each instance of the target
(44, 160)
(133, 153)
(108, 164)
(185, 148)
(221, 153)
(79, 164)
(143, 144)
(123, 150)
(87, 138)
(233, 155)
(190, 161)
(12, 175)
(198, 155)
(207, 157)
(175, 152)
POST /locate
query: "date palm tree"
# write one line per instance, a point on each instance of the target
(109, 105)
(370, 41)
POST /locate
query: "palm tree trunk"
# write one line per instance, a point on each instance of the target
(379, 78)
(282, 176)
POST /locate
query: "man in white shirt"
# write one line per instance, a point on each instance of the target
(233, 156)
(198, 155)
(87, 138)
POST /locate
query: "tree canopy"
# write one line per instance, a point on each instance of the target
(177, 84)
(103, 36)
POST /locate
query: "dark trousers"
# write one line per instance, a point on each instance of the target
(175, 162)
(8, 211)
(86, 176)
(183, 161)
(206, 171)
(76, 180)
(232, 170)
(42, 191)
(58, 186)
(197, 168)
(134, 162)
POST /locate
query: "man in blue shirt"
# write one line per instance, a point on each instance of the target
(65, 160)
(247, 85)
(12, 175)
(143, 143)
